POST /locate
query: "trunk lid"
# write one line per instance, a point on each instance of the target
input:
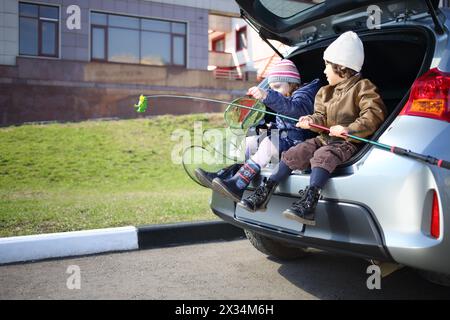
(294, 22)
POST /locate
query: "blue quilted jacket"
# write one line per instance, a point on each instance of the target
(300, 103)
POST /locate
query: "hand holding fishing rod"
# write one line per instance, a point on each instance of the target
(306, 122)
(397, 150)
(257, 93)
(339, 131)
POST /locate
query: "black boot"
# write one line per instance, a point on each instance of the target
(206, 177)
(303, 210)
(258, 200)
(234, 187)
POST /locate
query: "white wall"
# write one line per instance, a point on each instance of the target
(257, 53)
(243, 56)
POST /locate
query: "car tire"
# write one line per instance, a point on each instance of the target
(435, 277)
(274, 248)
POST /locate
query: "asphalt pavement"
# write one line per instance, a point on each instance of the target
(217, 270)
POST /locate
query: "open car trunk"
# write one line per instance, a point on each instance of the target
(394, 58)
(398, 47)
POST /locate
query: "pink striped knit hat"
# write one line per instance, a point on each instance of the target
(284, 71)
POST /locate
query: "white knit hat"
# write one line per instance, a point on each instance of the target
(347, 51)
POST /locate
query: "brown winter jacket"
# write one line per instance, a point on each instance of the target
(354, 104)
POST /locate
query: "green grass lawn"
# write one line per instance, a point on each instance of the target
(97, 174)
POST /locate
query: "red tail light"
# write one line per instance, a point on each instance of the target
(435, 230)
(429, 96)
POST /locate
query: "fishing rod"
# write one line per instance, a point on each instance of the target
(143, 104)
(397, 150)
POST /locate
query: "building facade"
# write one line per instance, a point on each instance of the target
(82, 59)
(236, 50)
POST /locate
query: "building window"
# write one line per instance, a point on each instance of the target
(241, 38)
(117, 38)
(218, 44)
(38, 30)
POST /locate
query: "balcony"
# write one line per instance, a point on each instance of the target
(220, 59)
(227, 74)
(219, 23)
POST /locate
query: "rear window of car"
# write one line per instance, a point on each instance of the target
(288, 8)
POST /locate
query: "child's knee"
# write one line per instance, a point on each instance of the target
(329, 157)
(297, 158)
(325, 161)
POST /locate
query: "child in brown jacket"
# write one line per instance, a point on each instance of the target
(349, 104)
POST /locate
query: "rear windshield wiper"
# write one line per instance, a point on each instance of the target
(249, 21)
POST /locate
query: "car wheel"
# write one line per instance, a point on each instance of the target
(274, 248)
(435, 277)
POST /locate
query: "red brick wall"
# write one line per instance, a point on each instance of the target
(55, 90)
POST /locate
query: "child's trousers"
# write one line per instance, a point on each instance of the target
(267, 150)
(314, 153)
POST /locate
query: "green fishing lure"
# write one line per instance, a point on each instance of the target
(142, 104)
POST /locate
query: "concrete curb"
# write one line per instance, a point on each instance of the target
(154, 236)
(77, 243)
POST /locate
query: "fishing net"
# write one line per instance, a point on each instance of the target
(220, 148)
(195, 157)
(202, 157)
(243, 118)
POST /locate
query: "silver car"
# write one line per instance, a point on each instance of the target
(378, 206)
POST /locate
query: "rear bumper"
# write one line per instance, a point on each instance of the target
(345, 228)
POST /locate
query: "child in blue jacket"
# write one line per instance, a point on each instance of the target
(285, 97)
